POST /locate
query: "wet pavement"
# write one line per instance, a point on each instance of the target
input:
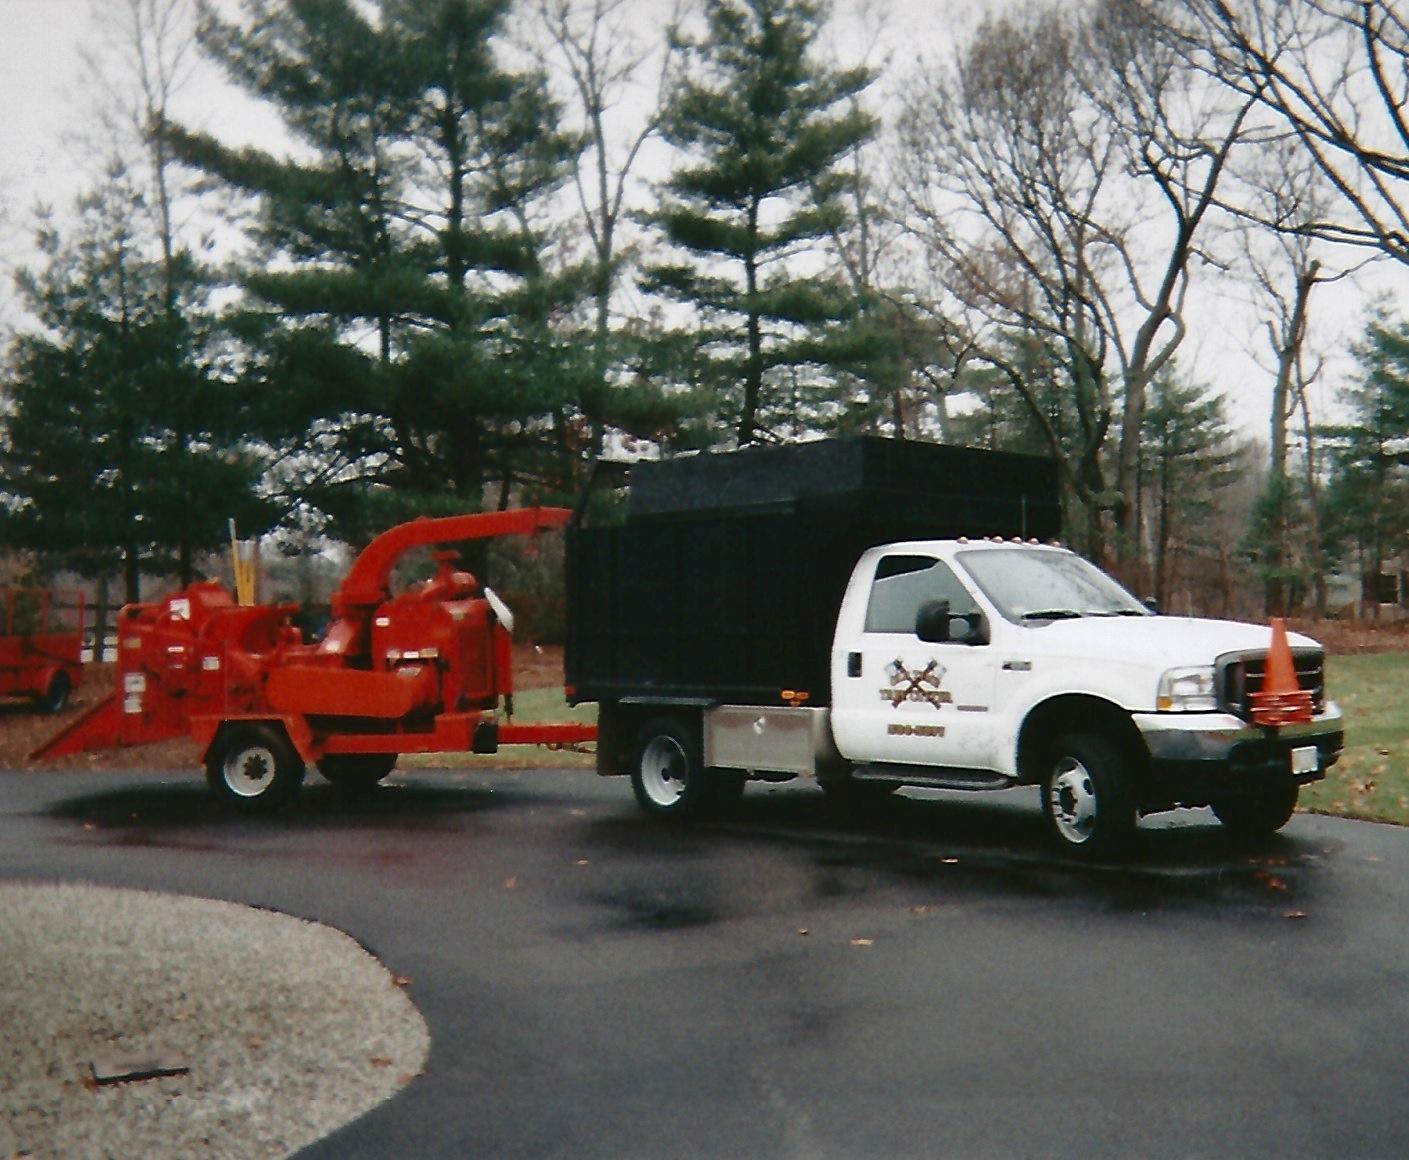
(928, 980)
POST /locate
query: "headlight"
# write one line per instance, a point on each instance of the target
(1186, 691)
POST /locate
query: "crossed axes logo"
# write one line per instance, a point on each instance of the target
(915, 686)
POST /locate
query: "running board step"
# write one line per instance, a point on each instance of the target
(930, 778)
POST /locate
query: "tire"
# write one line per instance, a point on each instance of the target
(850, 794)
(1258, 815)
(254, 767)
(1086, 796)
(356, 772)
(668, 775)
(55, 697)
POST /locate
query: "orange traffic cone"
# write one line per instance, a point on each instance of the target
(1282, 701)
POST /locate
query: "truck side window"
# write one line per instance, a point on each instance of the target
(903, 583)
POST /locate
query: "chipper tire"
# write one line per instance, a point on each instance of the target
(254, 768)
(356, 773)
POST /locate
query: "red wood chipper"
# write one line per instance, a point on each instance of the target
(425, 671)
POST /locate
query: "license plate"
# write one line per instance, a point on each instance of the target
(1305, 759)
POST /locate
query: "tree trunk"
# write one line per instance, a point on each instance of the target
(1275, 596)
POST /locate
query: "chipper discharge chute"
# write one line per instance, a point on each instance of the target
(423, 671)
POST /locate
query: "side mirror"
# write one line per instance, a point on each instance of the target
(935, 624)
(1151, 603)
(932, 622)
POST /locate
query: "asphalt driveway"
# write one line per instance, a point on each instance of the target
(930, 981)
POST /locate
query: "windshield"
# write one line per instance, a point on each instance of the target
(1031, 585)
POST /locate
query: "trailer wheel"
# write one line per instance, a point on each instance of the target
(254, 767)
(1086, 796)
(56, 695)
(1258, 815)
(668, 775)
(356, 772)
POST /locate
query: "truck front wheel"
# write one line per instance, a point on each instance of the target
(1086, 796)
(1258, 815)
(668, 775)
(254, 767)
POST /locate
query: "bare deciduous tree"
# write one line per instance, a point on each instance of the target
(1337, 73)
(150, 55)
(1282, 191)
(605, 63)
(1062, 174)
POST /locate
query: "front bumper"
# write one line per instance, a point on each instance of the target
(1198, 758)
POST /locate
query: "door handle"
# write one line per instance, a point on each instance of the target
(853, 664)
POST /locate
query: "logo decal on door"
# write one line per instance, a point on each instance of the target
(921, 686)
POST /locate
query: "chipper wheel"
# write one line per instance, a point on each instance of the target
(356, 772)
(254, 767)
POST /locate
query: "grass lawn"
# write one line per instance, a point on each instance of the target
(1371, 780)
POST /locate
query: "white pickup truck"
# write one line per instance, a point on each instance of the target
(982, 664)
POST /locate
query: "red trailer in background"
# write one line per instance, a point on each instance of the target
(41, 644)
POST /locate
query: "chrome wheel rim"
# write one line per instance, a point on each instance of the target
(249, 772)
(1071, 797)
(663, 769)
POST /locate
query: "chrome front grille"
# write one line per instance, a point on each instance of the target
(1241, 674)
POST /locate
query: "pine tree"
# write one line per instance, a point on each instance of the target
(763, 124)
(120, 445)
(404, 314)
(1368, 497)
(1188, 458)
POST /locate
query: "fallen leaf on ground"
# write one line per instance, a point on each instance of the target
(863, 942)
(400, 981)
(379, 1061)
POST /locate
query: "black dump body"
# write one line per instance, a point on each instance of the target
(724, 582)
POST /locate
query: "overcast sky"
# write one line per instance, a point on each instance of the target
(44, 99)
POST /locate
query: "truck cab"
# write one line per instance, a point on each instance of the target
(995, 663)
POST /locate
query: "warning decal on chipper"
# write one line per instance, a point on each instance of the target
(922, 686)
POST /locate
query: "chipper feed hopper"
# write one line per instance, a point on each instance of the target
(424, 671)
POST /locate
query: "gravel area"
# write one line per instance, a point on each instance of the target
(290, 1029)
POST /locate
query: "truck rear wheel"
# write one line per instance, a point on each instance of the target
(254, 767)
(1086, 796)
(1260, 814)
(356, 772)
(668, 775)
